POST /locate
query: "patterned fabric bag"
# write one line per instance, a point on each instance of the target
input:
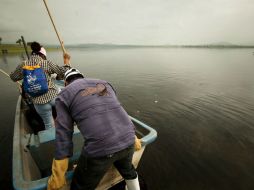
(34, 81)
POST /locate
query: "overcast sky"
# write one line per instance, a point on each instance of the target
(129, 21)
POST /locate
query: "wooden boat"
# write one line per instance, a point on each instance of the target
(32, 163)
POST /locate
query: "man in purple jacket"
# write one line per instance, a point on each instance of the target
(106, 127)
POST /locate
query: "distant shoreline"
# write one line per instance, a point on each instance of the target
(157, 46)
(16, 48)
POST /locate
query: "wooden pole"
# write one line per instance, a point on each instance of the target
(61, 42)
(24, 44)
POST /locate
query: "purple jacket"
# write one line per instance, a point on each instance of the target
(93, 106)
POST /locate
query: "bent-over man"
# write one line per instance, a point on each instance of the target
(107, 129)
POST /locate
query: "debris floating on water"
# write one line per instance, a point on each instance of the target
(156, 101)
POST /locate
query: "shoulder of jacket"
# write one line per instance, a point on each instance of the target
(48, 61)
(35, 59)
(92, 80)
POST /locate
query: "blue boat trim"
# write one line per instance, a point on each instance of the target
(152, 135)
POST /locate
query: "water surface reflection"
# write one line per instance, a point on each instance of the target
(199, 100)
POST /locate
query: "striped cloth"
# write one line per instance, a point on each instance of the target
(49, 68)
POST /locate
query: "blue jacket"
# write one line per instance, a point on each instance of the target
(94, 107)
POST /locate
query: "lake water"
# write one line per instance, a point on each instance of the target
(200, 101)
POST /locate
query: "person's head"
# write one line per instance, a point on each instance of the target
(72, 74)
(37, 49)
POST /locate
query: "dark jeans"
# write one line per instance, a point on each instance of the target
(90, 171)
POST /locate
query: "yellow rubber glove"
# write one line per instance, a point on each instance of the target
(57, 178)
(137, 144)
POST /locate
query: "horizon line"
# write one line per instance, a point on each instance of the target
(148, 45)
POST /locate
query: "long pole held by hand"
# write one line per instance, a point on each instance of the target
(61, 42)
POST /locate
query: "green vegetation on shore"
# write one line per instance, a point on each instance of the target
(16, 48)
(11, 48)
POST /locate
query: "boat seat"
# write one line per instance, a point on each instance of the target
(46, 136)
(50, 134)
